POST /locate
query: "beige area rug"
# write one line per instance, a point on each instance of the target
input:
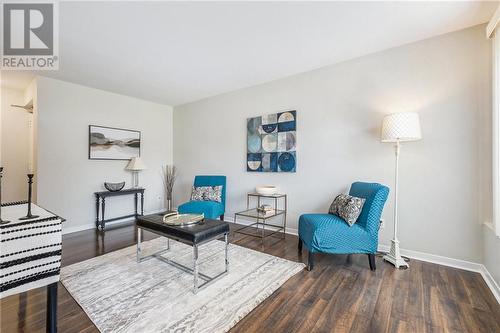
(120, 295)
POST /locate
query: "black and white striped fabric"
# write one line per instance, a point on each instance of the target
(30, 251)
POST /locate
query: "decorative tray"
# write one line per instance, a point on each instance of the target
(182, 219)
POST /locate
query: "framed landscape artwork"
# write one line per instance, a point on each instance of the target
(108, 143)
(272, 142)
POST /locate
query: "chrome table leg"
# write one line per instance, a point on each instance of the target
(139, 236)
(195, 268)
(206, 280)
(226, 240)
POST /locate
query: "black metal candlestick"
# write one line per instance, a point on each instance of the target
(1, 221)
(30, 184)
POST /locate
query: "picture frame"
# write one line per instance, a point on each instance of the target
(272, 142)
(112, 143)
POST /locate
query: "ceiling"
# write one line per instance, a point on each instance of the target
(178, 52)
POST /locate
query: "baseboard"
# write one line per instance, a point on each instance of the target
(490, 281)
(77, 228)
(89, 226)
(436, 259)
(450, 262)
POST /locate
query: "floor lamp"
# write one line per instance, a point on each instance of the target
(397, 128)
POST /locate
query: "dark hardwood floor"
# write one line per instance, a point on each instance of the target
(341, 294)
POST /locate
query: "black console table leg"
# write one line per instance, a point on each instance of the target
(103, 204)
(142, 203)
(135, 203)
(51, 324)
(97, 206)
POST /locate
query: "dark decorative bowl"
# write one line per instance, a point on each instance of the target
(114, 187)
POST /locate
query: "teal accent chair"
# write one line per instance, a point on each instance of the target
(211, 209)
(328, 233)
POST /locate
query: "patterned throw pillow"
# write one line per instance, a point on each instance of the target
(197, 193)
(207, 193)
(347, 207)
(214, 193)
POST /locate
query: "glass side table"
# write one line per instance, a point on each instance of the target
(261, 219)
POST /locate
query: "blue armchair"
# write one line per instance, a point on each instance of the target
(211, 209)
(329, 233)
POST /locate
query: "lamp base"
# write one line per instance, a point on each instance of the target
(394, 257)
(135, 179)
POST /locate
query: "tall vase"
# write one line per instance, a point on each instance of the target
(169, 204)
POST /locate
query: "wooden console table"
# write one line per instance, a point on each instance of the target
(100, 204)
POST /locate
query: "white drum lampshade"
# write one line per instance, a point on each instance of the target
(404, 126)
(135, 165)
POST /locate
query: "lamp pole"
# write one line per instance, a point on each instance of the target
(394, 256)
(397, 148)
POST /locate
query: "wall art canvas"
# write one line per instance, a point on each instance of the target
(107, 143)
(272, 142)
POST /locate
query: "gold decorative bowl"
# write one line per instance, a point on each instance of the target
(182, 219)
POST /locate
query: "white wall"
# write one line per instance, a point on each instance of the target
(445, 79)
(14, 145)
(66, 177)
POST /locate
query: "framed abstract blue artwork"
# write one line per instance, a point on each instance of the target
(272, 142)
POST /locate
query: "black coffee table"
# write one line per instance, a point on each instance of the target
(193, 235)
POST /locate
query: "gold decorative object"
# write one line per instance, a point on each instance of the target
(182, 219)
